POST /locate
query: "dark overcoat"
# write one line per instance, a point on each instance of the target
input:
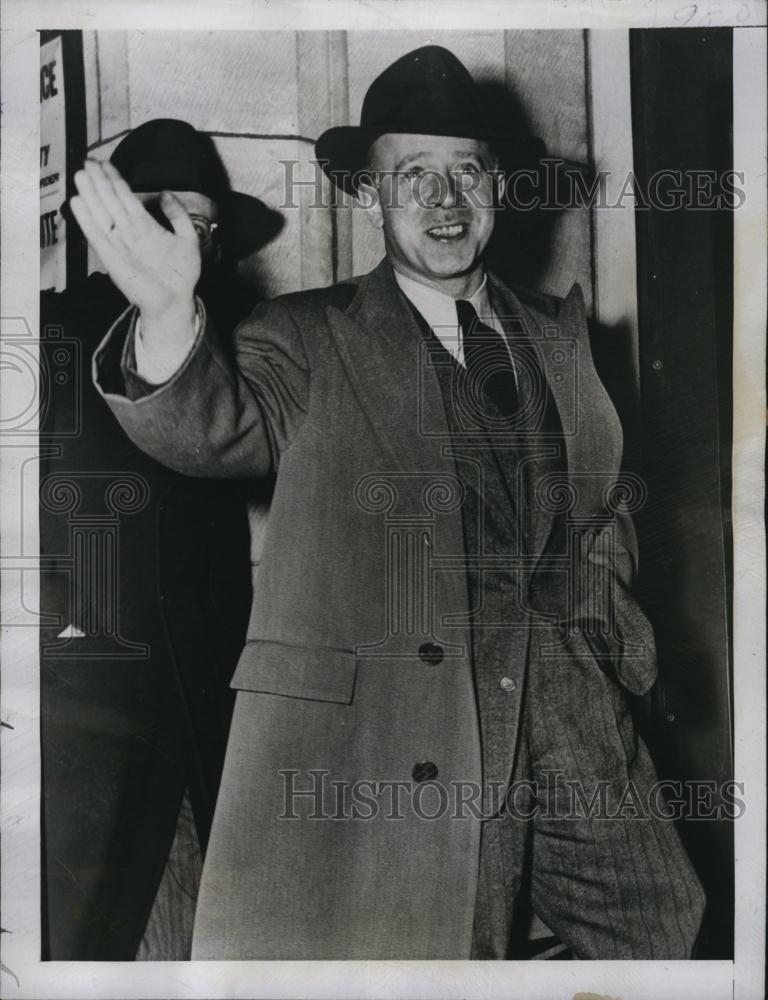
(145, 595)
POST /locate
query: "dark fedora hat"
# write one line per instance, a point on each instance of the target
(166, 154)
(425, 92)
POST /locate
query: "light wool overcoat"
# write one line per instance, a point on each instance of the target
(357, 667)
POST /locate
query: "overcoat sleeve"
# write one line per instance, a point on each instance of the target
(626, 634)
(218, 416)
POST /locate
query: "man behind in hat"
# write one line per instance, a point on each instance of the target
(147, 623)
(425, 655)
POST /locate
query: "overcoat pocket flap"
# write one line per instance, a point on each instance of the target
(313, 672)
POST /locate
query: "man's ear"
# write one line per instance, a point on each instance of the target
(500, 184)
(369, 200)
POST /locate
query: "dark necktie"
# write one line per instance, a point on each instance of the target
(489, 363)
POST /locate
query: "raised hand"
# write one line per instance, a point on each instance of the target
(155, 269)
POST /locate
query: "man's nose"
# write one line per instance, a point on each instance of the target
(442, 190)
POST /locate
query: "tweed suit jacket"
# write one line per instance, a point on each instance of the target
(357, 666)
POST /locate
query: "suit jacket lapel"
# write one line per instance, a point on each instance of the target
(536, 521)
(577, 390)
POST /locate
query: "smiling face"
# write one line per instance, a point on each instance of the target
(434, 198)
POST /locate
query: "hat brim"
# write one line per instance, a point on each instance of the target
(342, 151)
(247, 224)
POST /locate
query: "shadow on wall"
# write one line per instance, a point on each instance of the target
(523, 237)
(524, 240)
(247, 226)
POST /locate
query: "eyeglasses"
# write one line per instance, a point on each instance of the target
(470, 184)
(204, 228)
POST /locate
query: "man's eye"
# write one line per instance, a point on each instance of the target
(469, 168)
(412, 172)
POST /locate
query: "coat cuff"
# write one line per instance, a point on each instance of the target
(115, 371)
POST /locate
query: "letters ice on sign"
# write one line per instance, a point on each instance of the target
(53, 170)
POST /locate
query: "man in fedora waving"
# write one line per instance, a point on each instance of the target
(431, 745)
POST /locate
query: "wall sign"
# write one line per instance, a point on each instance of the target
(53, 166)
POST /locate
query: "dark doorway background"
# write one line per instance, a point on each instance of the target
(682, 120)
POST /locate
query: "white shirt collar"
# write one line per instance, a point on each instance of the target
(439, 310)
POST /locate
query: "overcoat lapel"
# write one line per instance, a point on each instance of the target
(383, 352)
(573, 381)
(397, 389)
(384, 355)
(381, 346)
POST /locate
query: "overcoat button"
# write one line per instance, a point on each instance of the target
(424, 770)
(431, 653)
(507, 684)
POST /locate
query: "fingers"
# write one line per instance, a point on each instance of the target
(92, 227)
(100, 241)
(106, 225)
(130, 203)
(108, 212)
(103, 187)
(177, 216)
(99, 219)
(114, 210)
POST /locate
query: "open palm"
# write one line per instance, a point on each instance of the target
(155, 269)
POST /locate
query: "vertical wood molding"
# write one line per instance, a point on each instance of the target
(610, 115)
(338, 79)
(115, 91)
(92, 90)
(323, 102)
(314, 110)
